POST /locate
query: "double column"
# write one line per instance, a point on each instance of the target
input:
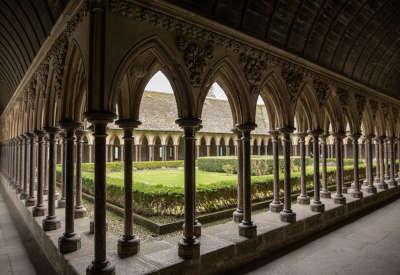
(238, 213)
(325, 193)
(338, 197)
(303, 198)
(79, 210)
(316, 205)
(276, 205)
(381, 184)
(128, 244)
(62, 200)
(392, 182)
(40, 208)
(355, 188)
(369, 186)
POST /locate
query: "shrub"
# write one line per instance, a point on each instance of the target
(116, 166)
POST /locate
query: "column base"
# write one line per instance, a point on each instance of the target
(370, 189)
(51, 223)
(325, 194)
(339, 199)
(356, 194)
(80, 212)
(69, 243)
(382, 186)
(288, 216)
(105, 268)
(128, 246)
(303, 200)
(189, 250)
(248, 230)
(30, 202)
(317, 206)
(39, 211)
(275, 207)
(237, 215)
(61, 203)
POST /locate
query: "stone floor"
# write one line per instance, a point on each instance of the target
(369, 245)
(14, 258)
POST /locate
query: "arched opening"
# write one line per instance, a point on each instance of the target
(144, 153)
(116, 149)
(158, 149)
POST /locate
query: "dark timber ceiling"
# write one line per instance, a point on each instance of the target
(357, 38)
(360, 39)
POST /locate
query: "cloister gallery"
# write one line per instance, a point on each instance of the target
(80, 97)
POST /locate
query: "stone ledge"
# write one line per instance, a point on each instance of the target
(221, 247)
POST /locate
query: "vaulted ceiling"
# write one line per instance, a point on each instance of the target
(357, 38)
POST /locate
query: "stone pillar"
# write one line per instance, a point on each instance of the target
(218, 150)
(208, 148)
(391, 153)
(151, 152)
(51, 222)
(287, 214)
(369, 188)
(378, 162)
(45, 167)
(69, 241)
(189, 246)
(386, 159)
(164, 152)
(238, 213)
(79, 210)
(25, 168)
(303, 198)
(176, 152)
(355, 188)
(246, 228)
(39, 209)
(398, 159)
(32, 170)
(259, 150)
(61, 201)
(22, 167)
(138, 152)
(19, 162)
(338, 198)
(316, 205)
(228, 150)
(381, 184)
(128, 244)
(345, 151)
(90, 153)
(325, 191)
(276, 205)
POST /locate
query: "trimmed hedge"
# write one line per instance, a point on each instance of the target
(167, 200)
(116, 166)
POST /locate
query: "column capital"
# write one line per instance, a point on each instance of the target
(188, 122)
(128, 123)
(51, 131)
(246, 126)
(100, 117)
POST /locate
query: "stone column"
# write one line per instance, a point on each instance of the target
(381, 184)
(39, 209)
(164, 152)
(369, 188)
(386, 159)
(30, 201)
(325, 193)
(128, 244)
(208, 148)
(338, 197)
(355, 188)
(303, 198)
(138, 152)
(176, 152)
(90, 153)
(276, 205)
(100, 263)
(218, 150)
(61, 201)
(238, 213)
(197, 151)
(51, 222)
(378, 162)
(189, 246)
(246, 228)
(45, 163)
(151, 152)
(18, 168)
(316, 205)
(228, 150)
(391, 153)
(69, 241)
(398, 158)
(79, 210)
(25, 167)
(287, 214)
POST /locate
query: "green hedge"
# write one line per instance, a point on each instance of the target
(165, 200)
(116, 166)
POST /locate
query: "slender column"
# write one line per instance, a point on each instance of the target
(303, 198)
(164, 152)
(369, 188)
(276, 205)
(398, 158)
(228, 150)
(32, 171)
(39, 209)
(316, 205)
(287, 214)
(69, 241)
(218, 150)
(62, 200)
(355, 189)
(378, 162)
(24, 168)
(15, 165)
(386, 159)
(338, 198)
(208, 148)
(151, 152)
(391, 153)
(128, 244)
(189, 246)
(51, 222)
(325, 193)
(18, 188)
(246, 228)
(238, 213)
(90, 153)
(79, 210)
(176, 152)
(382, 184)
(45, 165)
(20, 164)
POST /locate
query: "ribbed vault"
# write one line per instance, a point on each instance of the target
(359, 38)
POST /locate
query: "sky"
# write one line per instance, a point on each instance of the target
(160, 83)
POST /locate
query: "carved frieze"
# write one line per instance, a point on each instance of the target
(293, 79)
(195, 57)
(253, 66)
(322, 90)
(59, 52)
